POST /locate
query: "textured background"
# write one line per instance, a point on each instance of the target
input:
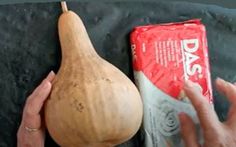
(224, 3)
(29, 46)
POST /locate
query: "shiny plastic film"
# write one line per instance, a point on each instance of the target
(164, 56)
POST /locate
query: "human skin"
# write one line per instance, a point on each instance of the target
(215, 133)
(32, 116)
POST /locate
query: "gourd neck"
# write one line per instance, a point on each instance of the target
(78, 49)
(74, 38)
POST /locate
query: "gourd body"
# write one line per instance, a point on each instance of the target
(92, 103)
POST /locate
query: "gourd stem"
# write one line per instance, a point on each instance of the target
(64, 6)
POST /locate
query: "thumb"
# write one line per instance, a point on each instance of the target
(188, 131)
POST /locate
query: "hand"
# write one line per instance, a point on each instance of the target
(215, 133)
(31, 132)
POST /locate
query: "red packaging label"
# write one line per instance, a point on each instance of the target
(168, 54)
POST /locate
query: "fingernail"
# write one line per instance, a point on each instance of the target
(191, 85)
(221, 81)
(51, 73)
(50, 76)
(188, 84)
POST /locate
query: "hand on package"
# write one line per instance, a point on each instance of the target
(31, 132)
(215, 133)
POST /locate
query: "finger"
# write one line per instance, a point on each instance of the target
(50, 76)
(231, 119)
(227, 88)
(32, 121)
(34, 104)
(207, 116)
(188, 131)
(35, 101)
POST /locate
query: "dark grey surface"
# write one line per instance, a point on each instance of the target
(29, 46)
(223, 3)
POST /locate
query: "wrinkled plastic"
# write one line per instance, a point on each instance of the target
(164, 56)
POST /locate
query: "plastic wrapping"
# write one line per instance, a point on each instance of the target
(164, 56)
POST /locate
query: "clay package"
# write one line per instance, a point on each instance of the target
(164, 56)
